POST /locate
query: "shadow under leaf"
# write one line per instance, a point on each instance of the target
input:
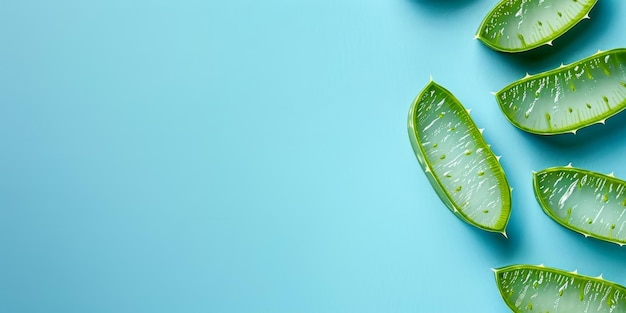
(441, 6)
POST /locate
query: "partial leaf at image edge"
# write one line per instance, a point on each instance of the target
(521, 25)
(536, 288)
(589, 203)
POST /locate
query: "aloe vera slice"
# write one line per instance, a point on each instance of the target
(586, 202)
(528, 288)
(521, 25)
(568, 98)
(460, 166)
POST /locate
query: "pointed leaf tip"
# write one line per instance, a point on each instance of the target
(569, 165)
(611, 174)
(504, 234)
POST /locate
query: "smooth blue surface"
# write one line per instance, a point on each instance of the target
(252, 156)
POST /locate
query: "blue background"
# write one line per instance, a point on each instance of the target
(252, 156)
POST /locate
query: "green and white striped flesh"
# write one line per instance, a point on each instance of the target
(521, 25)
(568, 98)
(457, 161)
(529, 288)
(586, 202)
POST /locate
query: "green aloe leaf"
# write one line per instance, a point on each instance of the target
(521, 25)
(586, 202)
(568, 98)
(528, 288)
(457, 161)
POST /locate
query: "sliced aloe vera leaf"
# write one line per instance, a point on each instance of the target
(457, 161)
(586, 202)
(529, 288)
(568, 98)
(521, 25)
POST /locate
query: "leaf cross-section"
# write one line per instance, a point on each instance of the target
(536, 288)
(521, 25)
(583, 201)
(457, 161)
(568, 98)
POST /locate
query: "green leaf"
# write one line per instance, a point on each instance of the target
(568, 98)
(457, 161)
(586, 202)
(521, 25)
(529, 288)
